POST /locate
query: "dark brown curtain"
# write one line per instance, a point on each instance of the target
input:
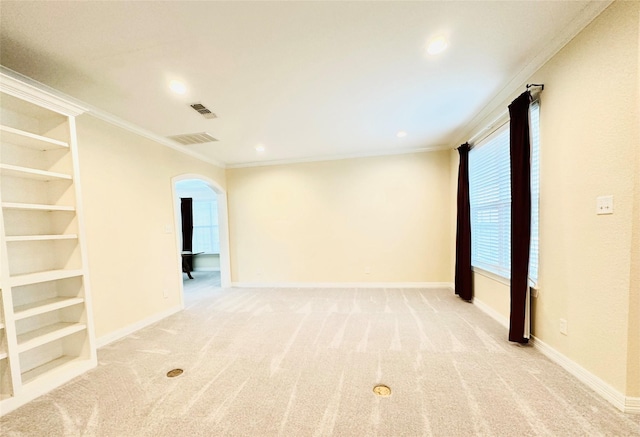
(520, 147)
(463, 278)
(186, 208)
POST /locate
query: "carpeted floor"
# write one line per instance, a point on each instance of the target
(303, 362)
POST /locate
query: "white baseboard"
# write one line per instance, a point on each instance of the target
(448, 285)
(504, 321)
(632, 405)
(626, 404)
(123, 332)
(609, 393)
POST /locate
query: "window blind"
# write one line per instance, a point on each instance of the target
(205, 227)
(490, 201)
(534, 128)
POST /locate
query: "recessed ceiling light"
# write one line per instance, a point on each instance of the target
(177, 87)
(260, 148)
(401, 134)
(437, 45)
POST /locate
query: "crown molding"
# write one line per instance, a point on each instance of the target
(24, 87)
(117, 121)
(515, 86)
(27, 89)
(388, 152)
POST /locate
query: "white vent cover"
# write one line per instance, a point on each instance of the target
(203, 110)
(189, 139)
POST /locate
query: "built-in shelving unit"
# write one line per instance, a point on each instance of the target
(46, 330)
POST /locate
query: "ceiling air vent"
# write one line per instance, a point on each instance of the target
(203, 110)
(189, 139)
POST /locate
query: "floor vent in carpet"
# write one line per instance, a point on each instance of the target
(382, 390)
(174, 372)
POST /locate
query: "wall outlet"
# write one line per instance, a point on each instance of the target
(604, 205)
(367, 270)
(168, 229)
(563, 326)
(165, 293)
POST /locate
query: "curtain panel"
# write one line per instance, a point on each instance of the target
(463, 274)
(520, 149)
(186, 209)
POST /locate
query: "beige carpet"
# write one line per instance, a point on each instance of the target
(303, 362)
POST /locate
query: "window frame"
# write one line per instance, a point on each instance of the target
(502, 272)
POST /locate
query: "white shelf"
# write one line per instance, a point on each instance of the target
(15, 238)
(50, 275)
(44, 306)
(27, 139)
(32, 173)
(36, 207)
(59, 364)
(40, 210)
(47, 334)
(1, 325)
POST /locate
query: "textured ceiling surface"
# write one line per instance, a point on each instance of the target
(308, 80)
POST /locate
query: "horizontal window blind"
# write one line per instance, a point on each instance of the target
(490, 201)
(534, 127)
(205, 227)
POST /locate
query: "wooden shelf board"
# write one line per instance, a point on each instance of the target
(32, 173)
(47, 334)
(27, 139)
(37, 207)
(50, 275)
(57, 364)
(44, 306)
(15, 238)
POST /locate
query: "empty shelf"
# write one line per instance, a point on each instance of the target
(46, 334)
(50, 275)
(44, 306)
(41, 237)
(27, 139)
(32, 173)
(37, 207)
(58, 364)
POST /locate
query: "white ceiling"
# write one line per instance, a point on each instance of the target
(309, 80)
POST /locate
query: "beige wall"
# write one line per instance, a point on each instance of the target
(329, 221)
(127, 196)
(633, 353)
(589, 147)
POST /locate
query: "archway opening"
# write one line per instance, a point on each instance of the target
(207, 257)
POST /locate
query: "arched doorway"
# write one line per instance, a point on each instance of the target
(223, 224)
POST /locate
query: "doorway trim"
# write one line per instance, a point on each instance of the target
(223, 225)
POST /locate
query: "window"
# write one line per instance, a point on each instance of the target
(205, 226)
(490, 201)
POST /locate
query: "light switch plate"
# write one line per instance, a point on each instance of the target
(604, 205)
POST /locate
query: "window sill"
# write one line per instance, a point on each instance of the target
(490, 275)
(501, 279)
